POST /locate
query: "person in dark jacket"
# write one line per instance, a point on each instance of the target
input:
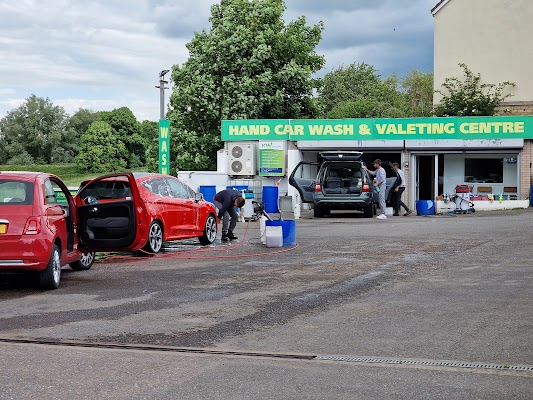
(226, 201)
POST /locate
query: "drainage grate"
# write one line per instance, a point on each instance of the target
(456, 364)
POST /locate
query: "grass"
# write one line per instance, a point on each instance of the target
(68, 173)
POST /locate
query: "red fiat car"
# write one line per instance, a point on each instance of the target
(37, 231)
(126, 212)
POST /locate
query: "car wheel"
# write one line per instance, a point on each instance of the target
(368, 211)
(155, 238)
(210, 231)
(84, 263)
(50, 277)
(318, 212)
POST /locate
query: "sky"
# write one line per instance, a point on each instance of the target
(106, 54)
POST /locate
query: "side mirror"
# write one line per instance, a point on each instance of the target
(198, 197)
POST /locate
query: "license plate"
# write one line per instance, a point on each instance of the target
(3, 228)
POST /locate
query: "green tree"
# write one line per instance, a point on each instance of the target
(358, 91)
(101, 149)
(128, 130)
(82, 119)
(249, 65)
(36, 127)
(418, 89)
(150, 131)
(470, 97)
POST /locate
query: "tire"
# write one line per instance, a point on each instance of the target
(210, 231)
(369, 211)
(84, 263)
(155, 238)
(318, 212)
(50, 277)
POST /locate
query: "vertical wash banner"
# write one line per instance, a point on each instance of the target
(164, 146)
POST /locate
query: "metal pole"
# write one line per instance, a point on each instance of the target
(162, 88)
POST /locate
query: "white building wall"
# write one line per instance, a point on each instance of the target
(492, 37)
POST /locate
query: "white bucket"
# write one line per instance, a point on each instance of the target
(274, 236)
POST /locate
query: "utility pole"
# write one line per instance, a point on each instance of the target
(164, 127)
(162, 88)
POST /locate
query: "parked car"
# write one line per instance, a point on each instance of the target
(140, 211)
(339, 183)
(38, 233)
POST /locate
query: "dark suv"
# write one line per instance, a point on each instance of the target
(341, 183)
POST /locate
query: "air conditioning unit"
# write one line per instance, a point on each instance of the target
(242, 159)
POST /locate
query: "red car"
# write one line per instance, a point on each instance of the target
(140, 211)
(125, 212)
(37, 231)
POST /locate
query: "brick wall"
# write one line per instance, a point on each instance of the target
(514, 109)
(526, 177)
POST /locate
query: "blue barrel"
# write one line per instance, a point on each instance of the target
(425, 207)
(208, 192)
(288, 228)
(270, 199)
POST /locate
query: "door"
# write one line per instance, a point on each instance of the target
(426, 176)
(303, 178)
(182, 208)
(111, 219)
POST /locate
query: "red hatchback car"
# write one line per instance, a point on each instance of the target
(37, 231)
(140, 211)
(126, 212)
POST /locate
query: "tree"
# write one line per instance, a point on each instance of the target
(128, 130)
(470, 97)
(101, 149)
(358, 91)
(150, 131)
(249, 65)
(36, 127)
(418, 88)
(82, 119)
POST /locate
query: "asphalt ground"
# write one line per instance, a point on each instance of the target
(411, 307)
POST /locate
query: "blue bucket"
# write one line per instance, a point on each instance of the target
(288, 228)
(270, 199)
(425, 207)
(208, 192)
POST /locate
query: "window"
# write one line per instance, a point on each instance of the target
(16, 192)
(49, 193)
(484, 170)
(179, 190)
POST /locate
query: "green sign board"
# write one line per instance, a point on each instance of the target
(512, 127)
(164, 146)
(272, 158)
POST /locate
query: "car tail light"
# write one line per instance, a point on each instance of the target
(318, 188)
(366, 188)
(33, 226)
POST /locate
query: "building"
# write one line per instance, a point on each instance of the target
(489, 154)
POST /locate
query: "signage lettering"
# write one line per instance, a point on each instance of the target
(520, 127)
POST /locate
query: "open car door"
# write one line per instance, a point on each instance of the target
(110, 214)
(303, 178)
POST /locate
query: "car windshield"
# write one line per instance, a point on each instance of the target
(14, 192)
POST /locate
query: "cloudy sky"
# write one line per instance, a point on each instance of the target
(105, 54)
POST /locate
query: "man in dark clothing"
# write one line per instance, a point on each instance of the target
(226, 201)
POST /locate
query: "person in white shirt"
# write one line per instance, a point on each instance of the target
(397, 199)
(380, 185)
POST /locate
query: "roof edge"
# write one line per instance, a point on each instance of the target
(439, 6)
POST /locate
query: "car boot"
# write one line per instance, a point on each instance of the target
(231, 236)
